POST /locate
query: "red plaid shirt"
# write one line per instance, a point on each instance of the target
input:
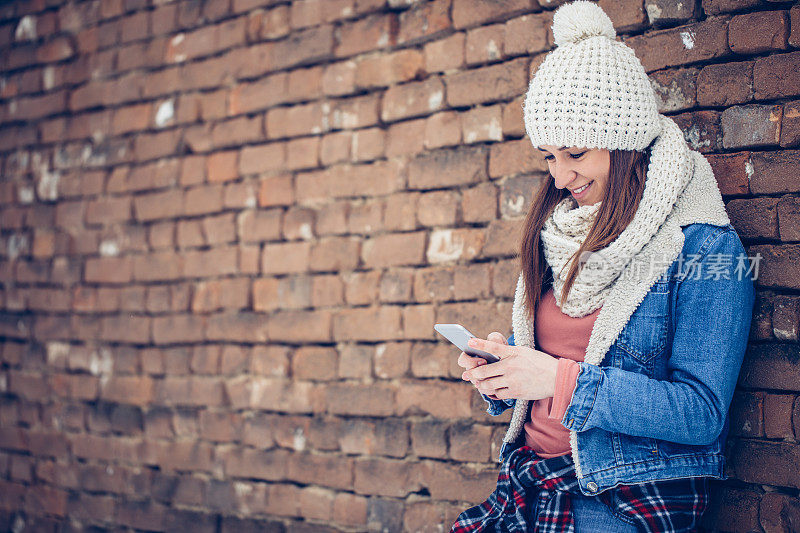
(668, 506)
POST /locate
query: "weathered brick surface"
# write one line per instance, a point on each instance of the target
(227, 229)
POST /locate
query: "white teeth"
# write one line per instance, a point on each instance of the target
(578, 191)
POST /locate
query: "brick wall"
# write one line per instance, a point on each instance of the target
(229, 226)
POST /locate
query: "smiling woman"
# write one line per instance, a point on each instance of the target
(621, 368)
(583, 171)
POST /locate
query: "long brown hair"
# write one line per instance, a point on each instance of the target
(621, 198)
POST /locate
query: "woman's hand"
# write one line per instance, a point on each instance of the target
(469, 362)
(522, 373)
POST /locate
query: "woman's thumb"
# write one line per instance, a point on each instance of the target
(497, 337)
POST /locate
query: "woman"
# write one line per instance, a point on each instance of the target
(631, 313)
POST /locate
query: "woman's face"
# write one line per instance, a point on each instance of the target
(573, 168)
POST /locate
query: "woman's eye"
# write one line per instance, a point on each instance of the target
(573, 156)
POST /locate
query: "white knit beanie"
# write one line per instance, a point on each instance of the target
(591, 91)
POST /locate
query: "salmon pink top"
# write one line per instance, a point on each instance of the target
(566, 338)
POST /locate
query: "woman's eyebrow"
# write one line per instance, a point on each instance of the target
(543, 150)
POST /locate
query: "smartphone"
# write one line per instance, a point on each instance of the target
(459, 335)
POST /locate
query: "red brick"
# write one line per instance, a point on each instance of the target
(109, 210)
(339, 78)
(326, 291)
(258, 95)
(470, 441)
(778, 416)
(276, 190)
(388, 437)
(304, 326)
(417, 320)
(354, 112)
(370, 33)
(790, 125)
(701, 129)
(236, 131)
(779, 512)
(359, 399)
(335, 147)
(396, 285)
(330, 470)
(314, 363)
(785, 318)
(738, 509)
(482, 124)
(109, 270)
(335, 253)
(457, 482)
(754, 217)
(389, 69)
(405, 138)
(774, 368)
(794, 36)
(487, 84)
(394, 249)
(751, 126)
(400, 212)
(305, 83)
(789, 219)
(514, 157)
(432, 360)
(725, 84)
(775, 172)
(732, 171)
(355, 361)
(747, 414)
(474, 12)
(166, 204)
(350, 509)
(412, 99)
(425, 20)
(445, 54)
(682, 45)
(280, 258)
(392, 360)
(366, 218)
(526, 34)
(485, 44)
(777, 76)
(766, 462)
(675, 89)
(753, 33)
(445, 168)
(451, 400)
(371, 475)
(367, 323)
(302, 153)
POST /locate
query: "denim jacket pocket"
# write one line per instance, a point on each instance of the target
(645, 335)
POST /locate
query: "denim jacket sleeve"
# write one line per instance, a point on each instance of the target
(712, 325)
(497, 407)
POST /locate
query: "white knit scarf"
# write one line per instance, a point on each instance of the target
(680, 189)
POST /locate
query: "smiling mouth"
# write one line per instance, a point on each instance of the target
(580, 189)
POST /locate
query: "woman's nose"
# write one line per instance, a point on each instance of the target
(563, 175)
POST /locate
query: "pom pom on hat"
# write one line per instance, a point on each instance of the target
(580, 20)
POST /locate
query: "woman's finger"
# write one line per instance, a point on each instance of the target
(491, 385)
(469, 362)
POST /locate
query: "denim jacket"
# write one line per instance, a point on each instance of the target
(657, 405)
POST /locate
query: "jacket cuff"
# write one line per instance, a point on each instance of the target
(496, 407)
(583, 397)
